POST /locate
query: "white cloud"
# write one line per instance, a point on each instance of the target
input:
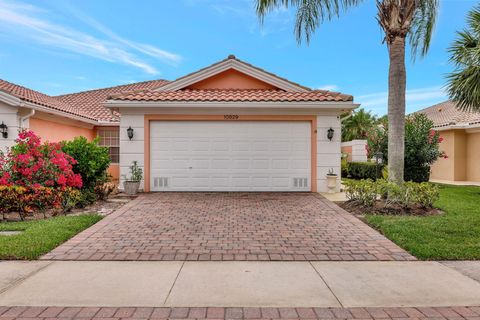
(144, 48)
(329, 87)
(415, 99)
(31, 22)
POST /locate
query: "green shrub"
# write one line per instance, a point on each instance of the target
(425, 194)
(363, 191)
(367, 192)
(344, 167)
(92, 160)
(417, 173)
(364, 170)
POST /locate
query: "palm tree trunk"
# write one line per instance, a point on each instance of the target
(396, 109)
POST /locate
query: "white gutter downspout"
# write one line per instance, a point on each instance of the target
(346, 117)
(26, 117)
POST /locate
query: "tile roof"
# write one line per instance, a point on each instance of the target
(446, 113)
(92, 101)
(233, 95)
(41, 99)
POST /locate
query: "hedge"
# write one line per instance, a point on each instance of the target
(363, 170)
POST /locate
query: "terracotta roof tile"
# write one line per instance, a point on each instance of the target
(92, 101)
(446, 113)
(233, 95)
(41, 99)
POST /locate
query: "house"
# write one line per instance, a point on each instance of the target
(460, 131)
(228, 127)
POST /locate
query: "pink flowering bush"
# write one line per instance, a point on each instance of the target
(36, 176)
(31, 163)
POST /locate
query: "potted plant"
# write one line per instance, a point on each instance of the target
(331, 181)
(132, 184)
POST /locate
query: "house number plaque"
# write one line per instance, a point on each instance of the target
(231, 117)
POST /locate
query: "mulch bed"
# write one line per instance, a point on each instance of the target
(101, 207)
(379, 208)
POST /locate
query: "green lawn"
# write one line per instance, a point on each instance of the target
(40, 237)
(455, 235)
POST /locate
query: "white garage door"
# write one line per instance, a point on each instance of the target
(230, 156)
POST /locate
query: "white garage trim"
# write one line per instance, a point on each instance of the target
(232, 118)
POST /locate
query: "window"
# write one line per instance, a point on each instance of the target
(110, 137)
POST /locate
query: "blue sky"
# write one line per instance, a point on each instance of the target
(61, 46)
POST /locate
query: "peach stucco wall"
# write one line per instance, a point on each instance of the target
(460, 156)
(231, 79)
(114, 171)
(473, 156)
(463, 151)
(443, 169)
(55, 132)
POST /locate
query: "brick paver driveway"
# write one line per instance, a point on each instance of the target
(229, 226)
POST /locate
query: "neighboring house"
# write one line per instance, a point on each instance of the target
(355, 150)
(460, 131)
(228, 127)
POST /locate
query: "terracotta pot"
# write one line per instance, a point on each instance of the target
(332, 183)
(131, 187)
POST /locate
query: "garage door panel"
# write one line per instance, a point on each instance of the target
(201, 163)
(280, 182)
(230, 156)
(299, 164)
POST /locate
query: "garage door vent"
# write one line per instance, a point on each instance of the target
(160, 182)
(300, 182)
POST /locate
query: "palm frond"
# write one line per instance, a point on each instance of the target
(310, 14)
(422, 26)
(463, 84)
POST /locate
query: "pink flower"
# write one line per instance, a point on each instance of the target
(75, 181)
(5, 179)
(61, 180)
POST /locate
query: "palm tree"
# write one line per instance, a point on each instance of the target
(401, 21)
(358, 125)
(464, 82)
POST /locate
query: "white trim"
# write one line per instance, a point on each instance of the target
(236, 65)
(9, 99)
(241, 104)
(458, 126)
(57, 112)
(41, 115)
(107, 124)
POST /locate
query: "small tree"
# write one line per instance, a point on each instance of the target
(358, 125)
(421, 146)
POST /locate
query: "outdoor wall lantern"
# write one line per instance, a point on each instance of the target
(130, 133)
(4, 130)
(330, 134)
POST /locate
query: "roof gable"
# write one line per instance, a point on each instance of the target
(231, 79)
(236, 69)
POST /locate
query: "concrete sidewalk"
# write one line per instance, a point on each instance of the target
(234, 284)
